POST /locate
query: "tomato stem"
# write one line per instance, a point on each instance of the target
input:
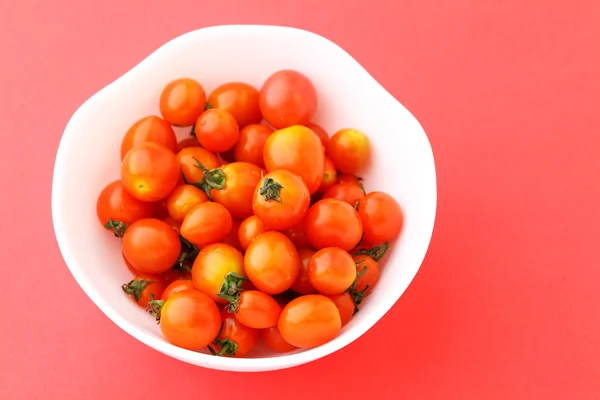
(228, 347)
(376, 253)
(213, 179)
(270, 190)
(230, 290)
(193, 131)
(135, 287)
(154, 307)
(117, 227)
(189, 252)
(208, 106)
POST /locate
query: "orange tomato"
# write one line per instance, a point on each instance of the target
(251, 143)
(142, 287)
(182, 101)
(250, 228)
(217, 130)
(116, 208)
(381, 216)
(149, 129)
(206, 223)
(151, 245)
(333, 223)
(349, 150)
(150, 171)
(349, 178)
(302, 284)
(299, 150)
(211, 267)
(345, 306)
(187, 142)
(257, 309)
(238, 99)
(193, 161)
(320, 132)
(182, 199)
(367, 273)
(275, 341)
(235, 339)
(329, 176)
(346, 192)
(331, 271)
(237, 192)
(178, 285)
(172, 223)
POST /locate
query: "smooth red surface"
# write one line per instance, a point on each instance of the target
(507, 302)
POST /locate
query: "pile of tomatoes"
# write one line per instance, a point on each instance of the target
(254, 226)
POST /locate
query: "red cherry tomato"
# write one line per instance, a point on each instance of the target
(235, 339)
(302, 284)
(367, 273)
(142, 287)
(238, 99)
(193, 161)
(381, 216)
(217, 130)
(251, 143)
(257, 309)
(250, 228)
(329, 176)
(206, 223)
(275, 341)
(149, 129)
(349, 178)
(333, 223)
(187, 142)
(151, 245)
(320, 132)
(345, 306)
(116, 208)
(297, 236)
(346, 192)
(331, 271)
(178, 285)
(349, 150)
(240, 181)
(182, 101)
(232, 237)
(288, 98)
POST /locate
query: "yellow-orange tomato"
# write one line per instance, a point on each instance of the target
(302, 284)
(182, 101)
(321, 133)
(272, 262)
(149, 171)
(182, 199)
(217, 130)
(240, 182)
(329, 176)
(192, 159)
(309, 321)
(349, 150)
(211, 267)
(206, 223)
(250, 228)
(299, 150)
(251, 143)
(238, 99)
(149, 129)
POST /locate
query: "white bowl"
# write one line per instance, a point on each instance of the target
(88, 159)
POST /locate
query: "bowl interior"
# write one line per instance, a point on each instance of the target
(88, 158)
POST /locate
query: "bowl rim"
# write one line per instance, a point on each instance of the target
(192, 357)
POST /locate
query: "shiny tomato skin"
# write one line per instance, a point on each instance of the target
(257, 310)
(349, 149)
(217, 130)
(320, 132)
(182, 199)
(187, 163)
(251, 143)
(143, 286)
(299, 150)
(272, 262)
(281, 200)
(309, 321)
(206, 223)
(297, 236)
(350, 179)
(241, 179)
(211, 267)
(240, 100)
(187, 142)
(346, 192)
(345, 306)
(333, 223)
(150, 172)
(190, 320)
(151, 245)
(178, 285)
(302, 284)
(381, 216)
(370, 273)
(182, 101)
(149, 129)
(329, 176)
(287, 98)
(243, 336)
(115, 203)
(331, 271)
(250, 228)
(275, 341)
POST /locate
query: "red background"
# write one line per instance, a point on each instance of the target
(507, 302)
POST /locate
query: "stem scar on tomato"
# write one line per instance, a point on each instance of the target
(230, 290)
(213, 179)
(154, 307)
(117, 227)
(376, 253)
(136, 287)
(270, 190)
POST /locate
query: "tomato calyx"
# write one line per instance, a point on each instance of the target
(117, 227)
(189, 252)
(154, 307)
(228, 348)
(356, 295)
(213, 179)
(230, 291)
(135, 287)
(208, 106)
(270, 190)
(376, 253)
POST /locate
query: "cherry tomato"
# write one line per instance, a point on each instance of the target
(329, 176)
(250, 228)
(150, 171)
(281, 200)
(206, 223)
(116, 208)
(320, 132)
(297, 236)
(182, 199)
(331, 271)
(236, 194)
(299, 150)
(160, 209)
(187, 142)
(232, 237)
(345, 306)
(172, 223)
(193, 161)
(302, 284)
(349, 178)
(182, 101)
(235, 339)
(251, 143)
(349, 150)
(345, 192)
(309, 321)
(190, 320)
(275, 341)
(217, 130)
(149, 129)
(333, 223)
(272, 262)
(178, 285)
(367, 273)
(257, 309)
(381, 216)
(211, 267)
(238, 99)
(288, 98)
(142, 286)
(151, 245)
